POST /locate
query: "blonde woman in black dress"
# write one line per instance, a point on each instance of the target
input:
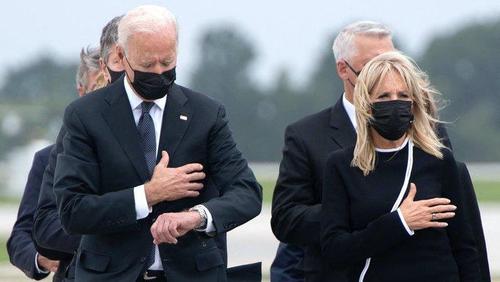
(392, 204)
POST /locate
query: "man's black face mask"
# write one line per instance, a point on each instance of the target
(114, 75)
(150, 85)
(392, 119)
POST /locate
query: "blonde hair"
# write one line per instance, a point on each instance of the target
(422, 132)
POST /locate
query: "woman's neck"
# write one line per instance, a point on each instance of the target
(382, 143)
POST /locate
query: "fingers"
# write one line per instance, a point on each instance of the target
(164, 159)
(435, 202)
(442, 208)
(54, 266)
(172, 231)
(436, 224)
(154, 232)
(164, 230)
(192, 167)
(194, 186)
(412, 192)
(196, 176)
(440, 216)
(191, 194)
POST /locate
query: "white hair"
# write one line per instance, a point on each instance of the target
(344, 47)
(89, 62)
(145, 19)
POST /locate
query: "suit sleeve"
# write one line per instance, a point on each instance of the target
(340, 244)
(47, 228)
(240, 195)
(82, 207)
(20, 245)
(463, 244)
(295, 209)
(473, 215)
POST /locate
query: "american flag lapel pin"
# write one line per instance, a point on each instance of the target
(183, 117)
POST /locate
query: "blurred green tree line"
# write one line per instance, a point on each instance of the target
(463, 65)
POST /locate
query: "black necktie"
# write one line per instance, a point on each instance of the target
(146, 129)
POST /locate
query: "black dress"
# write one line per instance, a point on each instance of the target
(357, 222)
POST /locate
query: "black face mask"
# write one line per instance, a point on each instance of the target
(152, 86)
(114, 75)
(391, 119)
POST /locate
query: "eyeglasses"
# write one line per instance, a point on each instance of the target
(352, 69)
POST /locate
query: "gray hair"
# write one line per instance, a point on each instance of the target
(144, 19)
(89, 62)
(344, 47)
(109, 37)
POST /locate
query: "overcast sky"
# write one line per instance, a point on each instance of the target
(285, 33)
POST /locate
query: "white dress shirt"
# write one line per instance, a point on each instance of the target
(141, 205)
(351, 113)
(38, 268)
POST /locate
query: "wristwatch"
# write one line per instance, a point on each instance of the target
(201, 211)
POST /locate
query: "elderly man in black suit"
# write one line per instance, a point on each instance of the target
(149, 174)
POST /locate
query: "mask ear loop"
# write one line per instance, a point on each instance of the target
(412, 115)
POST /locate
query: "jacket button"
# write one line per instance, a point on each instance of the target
(143, 259)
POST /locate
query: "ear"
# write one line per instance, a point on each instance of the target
(80, 90)
(102, 65)
(342, 70)
(104, 70)
(120, 52)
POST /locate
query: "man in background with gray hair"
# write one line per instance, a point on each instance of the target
(89, 76)
(149, 174)
(297, 196)
(35, 261)
(48, 233)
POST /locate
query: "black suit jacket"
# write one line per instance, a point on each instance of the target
(287, 256)
(101, 162)
(51, 239)
(20, 245)
(296, 207)
(473, 216)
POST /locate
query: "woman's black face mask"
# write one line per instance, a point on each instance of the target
(392, 119)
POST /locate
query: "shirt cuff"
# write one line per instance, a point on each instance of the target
(410, 232)
(142, 209)
(210, 223)
(38, 269)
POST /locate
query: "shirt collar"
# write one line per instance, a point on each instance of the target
(135, 100)
(351, 111)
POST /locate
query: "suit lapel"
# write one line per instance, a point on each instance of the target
(121, 122)
(343, 132)
(176, 119)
